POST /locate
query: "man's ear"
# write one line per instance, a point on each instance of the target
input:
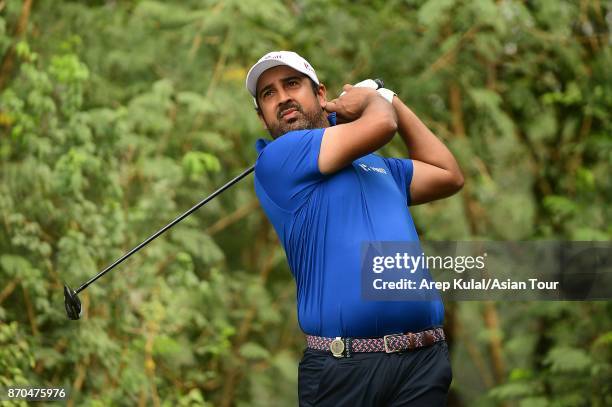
(322, 95)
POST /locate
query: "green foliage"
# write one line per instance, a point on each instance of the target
(118, 116)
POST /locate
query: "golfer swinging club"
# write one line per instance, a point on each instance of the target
(326, 192)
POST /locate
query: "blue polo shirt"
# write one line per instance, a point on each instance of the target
(321, 221)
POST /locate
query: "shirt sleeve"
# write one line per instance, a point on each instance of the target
(288, 168)
(401, 170)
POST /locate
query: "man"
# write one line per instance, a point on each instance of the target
(326, 193)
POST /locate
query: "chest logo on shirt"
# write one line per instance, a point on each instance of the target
(367, 168)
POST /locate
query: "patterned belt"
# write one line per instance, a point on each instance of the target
(343, 347)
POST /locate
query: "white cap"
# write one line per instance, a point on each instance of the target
(276, 58)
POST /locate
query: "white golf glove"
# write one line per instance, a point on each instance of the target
(369, 83)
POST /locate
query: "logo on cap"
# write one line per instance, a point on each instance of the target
(274, 56)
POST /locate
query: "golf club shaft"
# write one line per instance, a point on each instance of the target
(168, 226)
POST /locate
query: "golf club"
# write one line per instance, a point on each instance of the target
(71, 299)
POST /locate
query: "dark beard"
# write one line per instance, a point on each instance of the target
(304, 120)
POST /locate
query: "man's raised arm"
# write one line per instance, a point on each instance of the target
(436, 173)
(369, 122)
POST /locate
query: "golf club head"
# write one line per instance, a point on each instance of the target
(72, 303)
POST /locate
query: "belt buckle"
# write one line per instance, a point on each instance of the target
(337, 347)
(387, 350)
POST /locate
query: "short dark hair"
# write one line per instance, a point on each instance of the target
(313, 85)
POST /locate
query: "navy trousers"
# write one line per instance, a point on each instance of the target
(415, 378)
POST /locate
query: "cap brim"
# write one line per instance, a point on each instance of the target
(257, 70)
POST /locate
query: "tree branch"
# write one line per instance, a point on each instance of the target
(449, 56)
(8, 290)
(232, 218)
(78, 381)
(475, 355)
(30, 311)
(8, 61)
(491, 320)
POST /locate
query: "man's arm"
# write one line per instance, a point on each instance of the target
(369, 123)
(436, 173)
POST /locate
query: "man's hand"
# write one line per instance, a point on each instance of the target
(351, 104)
(367, 122)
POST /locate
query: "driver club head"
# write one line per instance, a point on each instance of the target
(72, 303)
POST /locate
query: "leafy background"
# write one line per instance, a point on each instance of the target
(115, 116)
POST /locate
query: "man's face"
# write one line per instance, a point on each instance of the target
(287, 101)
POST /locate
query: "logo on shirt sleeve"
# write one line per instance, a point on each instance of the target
(367, 168)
